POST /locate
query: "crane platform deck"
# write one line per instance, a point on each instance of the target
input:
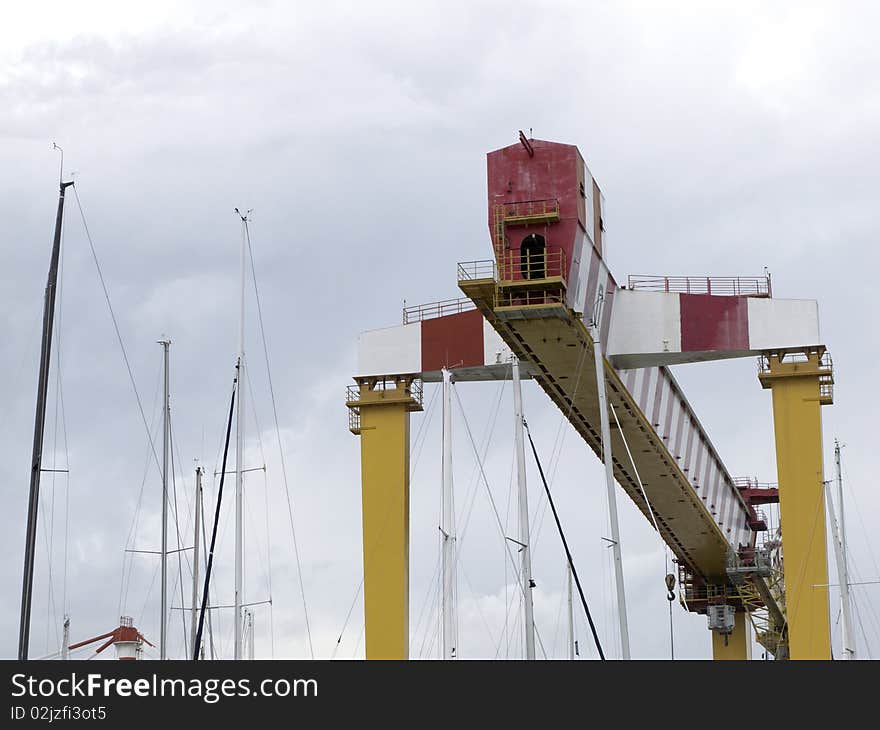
(557, 345)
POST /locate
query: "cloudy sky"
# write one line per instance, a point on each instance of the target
(726, 137)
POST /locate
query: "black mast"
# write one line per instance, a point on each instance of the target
(39, 425)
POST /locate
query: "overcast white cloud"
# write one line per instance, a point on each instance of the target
(726, 136)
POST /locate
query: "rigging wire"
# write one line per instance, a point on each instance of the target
(278, 434)
(51, 608)
(663, 546)
(125, 585)
(205, 552)
(149, 593)
(865, 533)
(556, 453)
(862, 627)
(259, 431)
(467, 581)
(470, 501)
(360, 638)
(504, 539)
(64, 604)
(506, 527)
(470, 498)
(563, 599)
(116, 326)
(565, 544)
(198, 642)
(486, 483)
(181, 551)
(433, 586)
(269, 558)
(494, 507)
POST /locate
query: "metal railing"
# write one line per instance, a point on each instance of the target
(733, 286)
(826, 364)
(352, 395)
(527, 297)
(753, 483)
(434, 310)
(515, 266)
(825, 368)
(417, 391)
(526, 209)
(474, 270)
(414, 388)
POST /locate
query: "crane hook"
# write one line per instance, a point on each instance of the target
(670, 584)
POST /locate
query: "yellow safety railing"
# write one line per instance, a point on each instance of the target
(474, 270)
(526, 210)
(515, 266)
(522, 213)
(434, 310)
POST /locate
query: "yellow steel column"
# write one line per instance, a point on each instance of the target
(733, 646)
(380, 414)
(801, 384)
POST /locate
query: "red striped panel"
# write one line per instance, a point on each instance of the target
(679, 433)
(696, 477)
(643, 396)
(690, 443)
(454, 341)
(713, 323)
(658, 398)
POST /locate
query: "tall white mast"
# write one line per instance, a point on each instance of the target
(525, 548)
(848, 646)
(239, 451)
(166, 409)
(65, 642)
(447, 528)
(609, 476)
(250, 632)
(570, 614)
(194, 619)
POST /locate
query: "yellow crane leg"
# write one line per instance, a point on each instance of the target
(734, 646)
(800, 387)
(381, 417)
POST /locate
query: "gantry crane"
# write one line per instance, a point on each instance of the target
(547, 298)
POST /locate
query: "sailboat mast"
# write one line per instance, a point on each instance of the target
(166, 430)
(525, 548)
(39, 427)
(65, 640)
(197, 523)
(848, 639)
(250, 632)
(447, 528)
(239, 452)
(623, 624)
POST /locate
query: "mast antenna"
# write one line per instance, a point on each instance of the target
(61, 165)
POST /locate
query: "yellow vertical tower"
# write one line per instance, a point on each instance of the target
(379, 412)
(801, 383)
(737, 645)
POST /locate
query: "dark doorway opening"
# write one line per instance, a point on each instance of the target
(533, 261)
